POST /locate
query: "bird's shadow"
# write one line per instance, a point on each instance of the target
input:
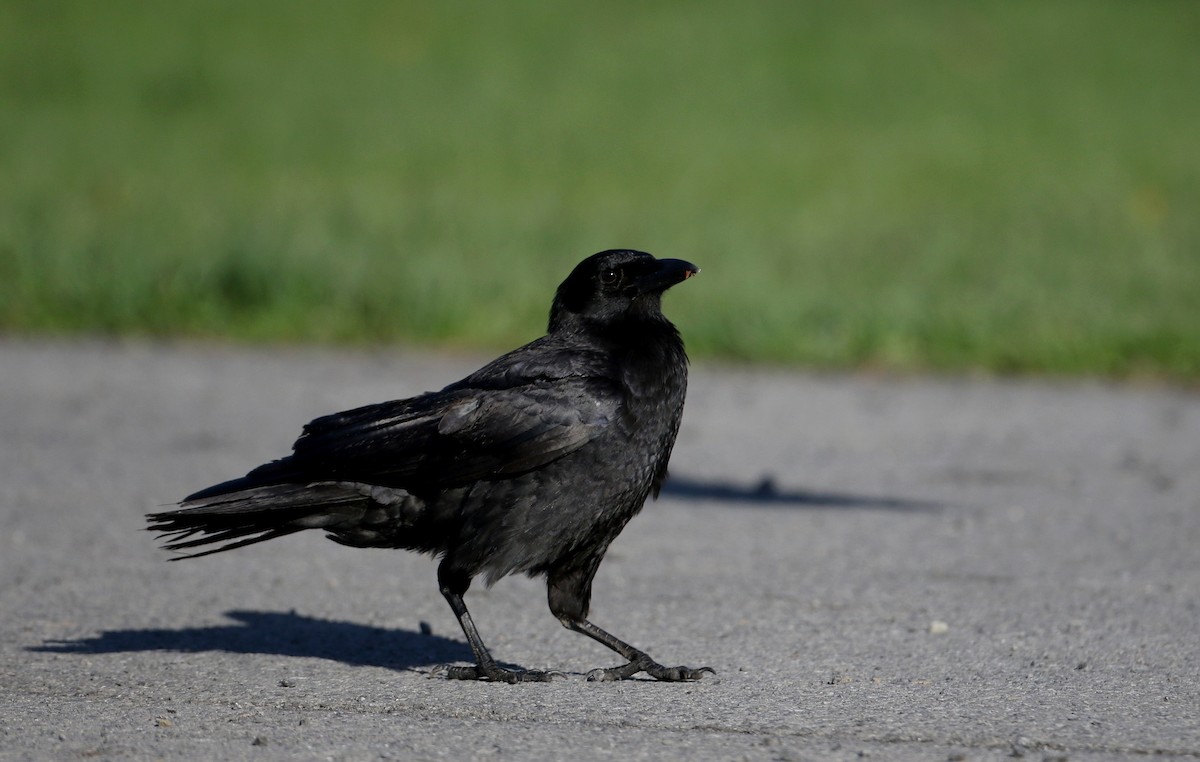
(765, 493)
(292, 634)
(283, 634)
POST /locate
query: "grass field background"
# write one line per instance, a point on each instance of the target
(995, 186)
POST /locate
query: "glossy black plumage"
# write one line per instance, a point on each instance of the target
(532, 464)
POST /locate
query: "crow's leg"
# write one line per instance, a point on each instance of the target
(453, 585)
(569, 593)
(639, 661)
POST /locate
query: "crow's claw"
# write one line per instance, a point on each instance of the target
(494, 674)
(652, 668)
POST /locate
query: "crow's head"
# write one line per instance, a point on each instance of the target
(613, 284)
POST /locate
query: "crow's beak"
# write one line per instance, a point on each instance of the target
(669, 272)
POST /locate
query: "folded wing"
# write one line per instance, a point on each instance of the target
(456, 436)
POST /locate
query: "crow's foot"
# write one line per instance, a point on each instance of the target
(652, 668)
(494, 674)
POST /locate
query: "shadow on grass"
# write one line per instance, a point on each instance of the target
(283, 634)
(766, 494)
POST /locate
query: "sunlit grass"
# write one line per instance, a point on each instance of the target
(1000, 186)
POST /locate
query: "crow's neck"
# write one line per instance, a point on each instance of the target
(649, 354)
(646, 347)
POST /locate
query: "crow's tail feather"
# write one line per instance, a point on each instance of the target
(244, 517)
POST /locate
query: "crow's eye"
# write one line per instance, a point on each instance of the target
(609, 277)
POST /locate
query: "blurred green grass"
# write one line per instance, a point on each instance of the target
(994, 186)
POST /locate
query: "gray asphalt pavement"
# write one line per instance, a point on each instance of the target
(880, 568)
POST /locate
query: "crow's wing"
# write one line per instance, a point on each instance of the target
(550, 359)
(457, 435)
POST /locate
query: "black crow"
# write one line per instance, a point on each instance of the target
(533, 464)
